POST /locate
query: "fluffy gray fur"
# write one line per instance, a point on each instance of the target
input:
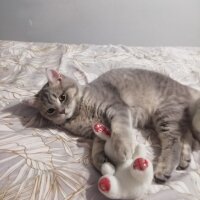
(122, 99)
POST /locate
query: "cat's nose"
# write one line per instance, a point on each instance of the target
(62, 111)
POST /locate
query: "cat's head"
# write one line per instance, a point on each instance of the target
(57, 100)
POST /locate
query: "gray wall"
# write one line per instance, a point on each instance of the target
(130, 22)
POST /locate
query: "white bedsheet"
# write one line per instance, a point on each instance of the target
(50, 164)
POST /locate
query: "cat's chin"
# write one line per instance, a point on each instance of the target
(60, 120)
(69, 115)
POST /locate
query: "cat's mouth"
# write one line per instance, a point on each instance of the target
(64, 117)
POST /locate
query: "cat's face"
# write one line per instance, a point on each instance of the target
(57, 100)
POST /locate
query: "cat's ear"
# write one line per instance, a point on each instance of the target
(32, 101)
(53, 76)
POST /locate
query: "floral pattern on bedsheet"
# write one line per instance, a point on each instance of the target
(50, 164)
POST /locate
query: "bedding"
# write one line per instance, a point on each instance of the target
(50, 164)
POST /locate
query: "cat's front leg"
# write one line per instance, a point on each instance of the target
(98, 155)
(121, 124)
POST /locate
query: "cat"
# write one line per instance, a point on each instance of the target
(122, 99)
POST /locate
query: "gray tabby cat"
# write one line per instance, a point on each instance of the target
(122, 99)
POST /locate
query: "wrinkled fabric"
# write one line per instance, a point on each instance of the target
(49, 163)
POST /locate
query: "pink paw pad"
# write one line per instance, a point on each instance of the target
(140, 164)
(104, 184)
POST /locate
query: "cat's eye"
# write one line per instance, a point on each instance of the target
(62, 97)
(51, 110)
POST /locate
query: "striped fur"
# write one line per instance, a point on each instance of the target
(122, 99)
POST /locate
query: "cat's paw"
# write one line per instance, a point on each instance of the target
(161, 174)
(184, 161)
(160, 178)
(185, 157)
(122, 148)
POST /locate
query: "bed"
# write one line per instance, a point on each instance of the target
(50, 164)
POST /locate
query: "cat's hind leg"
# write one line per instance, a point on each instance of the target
(168, 160)
(169, 132)
(186, 150)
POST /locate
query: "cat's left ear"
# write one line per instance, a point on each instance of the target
(53, 76)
